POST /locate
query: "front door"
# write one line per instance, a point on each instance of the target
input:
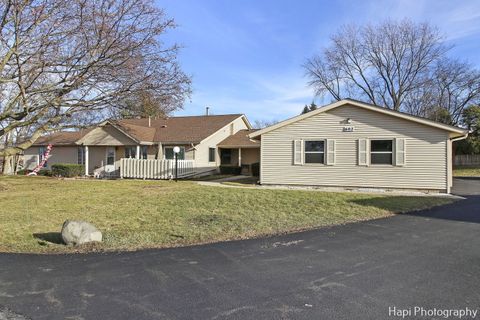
(110, 160)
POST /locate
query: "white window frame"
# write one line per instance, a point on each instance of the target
(381, 152)
(305, 152)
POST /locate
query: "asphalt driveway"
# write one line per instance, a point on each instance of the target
(357, 271)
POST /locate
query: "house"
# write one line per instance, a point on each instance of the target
(210, 141)
(354, 144)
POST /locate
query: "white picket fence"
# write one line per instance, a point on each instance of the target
(155, 169)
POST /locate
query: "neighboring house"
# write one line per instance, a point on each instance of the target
(199, 138)
(354, 144)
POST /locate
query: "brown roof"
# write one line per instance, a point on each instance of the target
(240, 139)
(140, 133)
(65, 138)
(191, 129)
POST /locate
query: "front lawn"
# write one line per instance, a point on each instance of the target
(135, 214)
(466, 172)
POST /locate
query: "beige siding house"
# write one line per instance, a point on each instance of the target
(101, 148)
(351, 144)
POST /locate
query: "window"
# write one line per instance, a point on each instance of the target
(110, 156)
(211, 154)
(314, 151)
(80, 155)
(143, 152)
(41, 155)
(381, 152)
(130, 152)
(169, 155)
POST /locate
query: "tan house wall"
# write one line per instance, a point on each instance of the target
(201, 154)
(250, 155)
(97, 157)
(426, 152)
(106, 136)
(60, 154)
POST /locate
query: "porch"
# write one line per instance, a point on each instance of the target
(239, 151)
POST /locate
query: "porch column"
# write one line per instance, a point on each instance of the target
(86, 160)
(137, 156)
(239, 157)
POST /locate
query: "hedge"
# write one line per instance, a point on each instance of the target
(230, 170)
(68, 170)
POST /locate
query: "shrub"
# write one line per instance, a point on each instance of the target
(45, 172)
(22, 172)
(255, 169)
(230, 170)
(68, 170)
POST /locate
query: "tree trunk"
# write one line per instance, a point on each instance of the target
(8, 165)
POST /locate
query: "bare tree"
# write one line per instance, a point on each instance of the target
(260, 124)
(66, 60)
(382, 64)
(453, 86)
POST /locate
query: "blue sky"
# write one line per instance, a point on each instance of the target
(245, 56)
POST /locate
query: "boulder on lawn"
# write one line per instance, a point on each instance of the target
(80, 232)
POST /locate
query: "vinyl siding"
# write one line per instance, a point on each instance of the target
(426, 152)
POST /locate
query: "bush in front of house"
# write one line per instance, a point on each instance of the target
(68, 170)
(23, 172)
(230, 170)
(255, 169)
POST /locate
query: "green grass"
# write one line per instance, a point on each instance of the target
(466, 172)
(135, 214)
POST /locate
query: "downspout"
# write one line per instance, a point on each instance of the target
(452, 160)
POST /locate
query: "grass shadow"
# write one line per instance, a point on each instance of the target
(49, 237)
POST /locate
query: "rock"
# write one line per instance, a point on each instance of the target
(80, 232)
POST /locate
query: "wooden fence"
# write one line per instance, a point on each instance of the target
(155, 169)
(467, 160)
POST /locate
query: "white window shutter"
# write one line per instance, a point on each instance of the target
(362, 152)
(297, 152)
(400, 149)
(331, 150)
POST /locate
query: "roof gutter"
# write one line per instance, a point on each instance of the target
(460, 137)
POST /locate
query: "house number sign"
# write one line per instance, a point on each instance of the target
(348, 129)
